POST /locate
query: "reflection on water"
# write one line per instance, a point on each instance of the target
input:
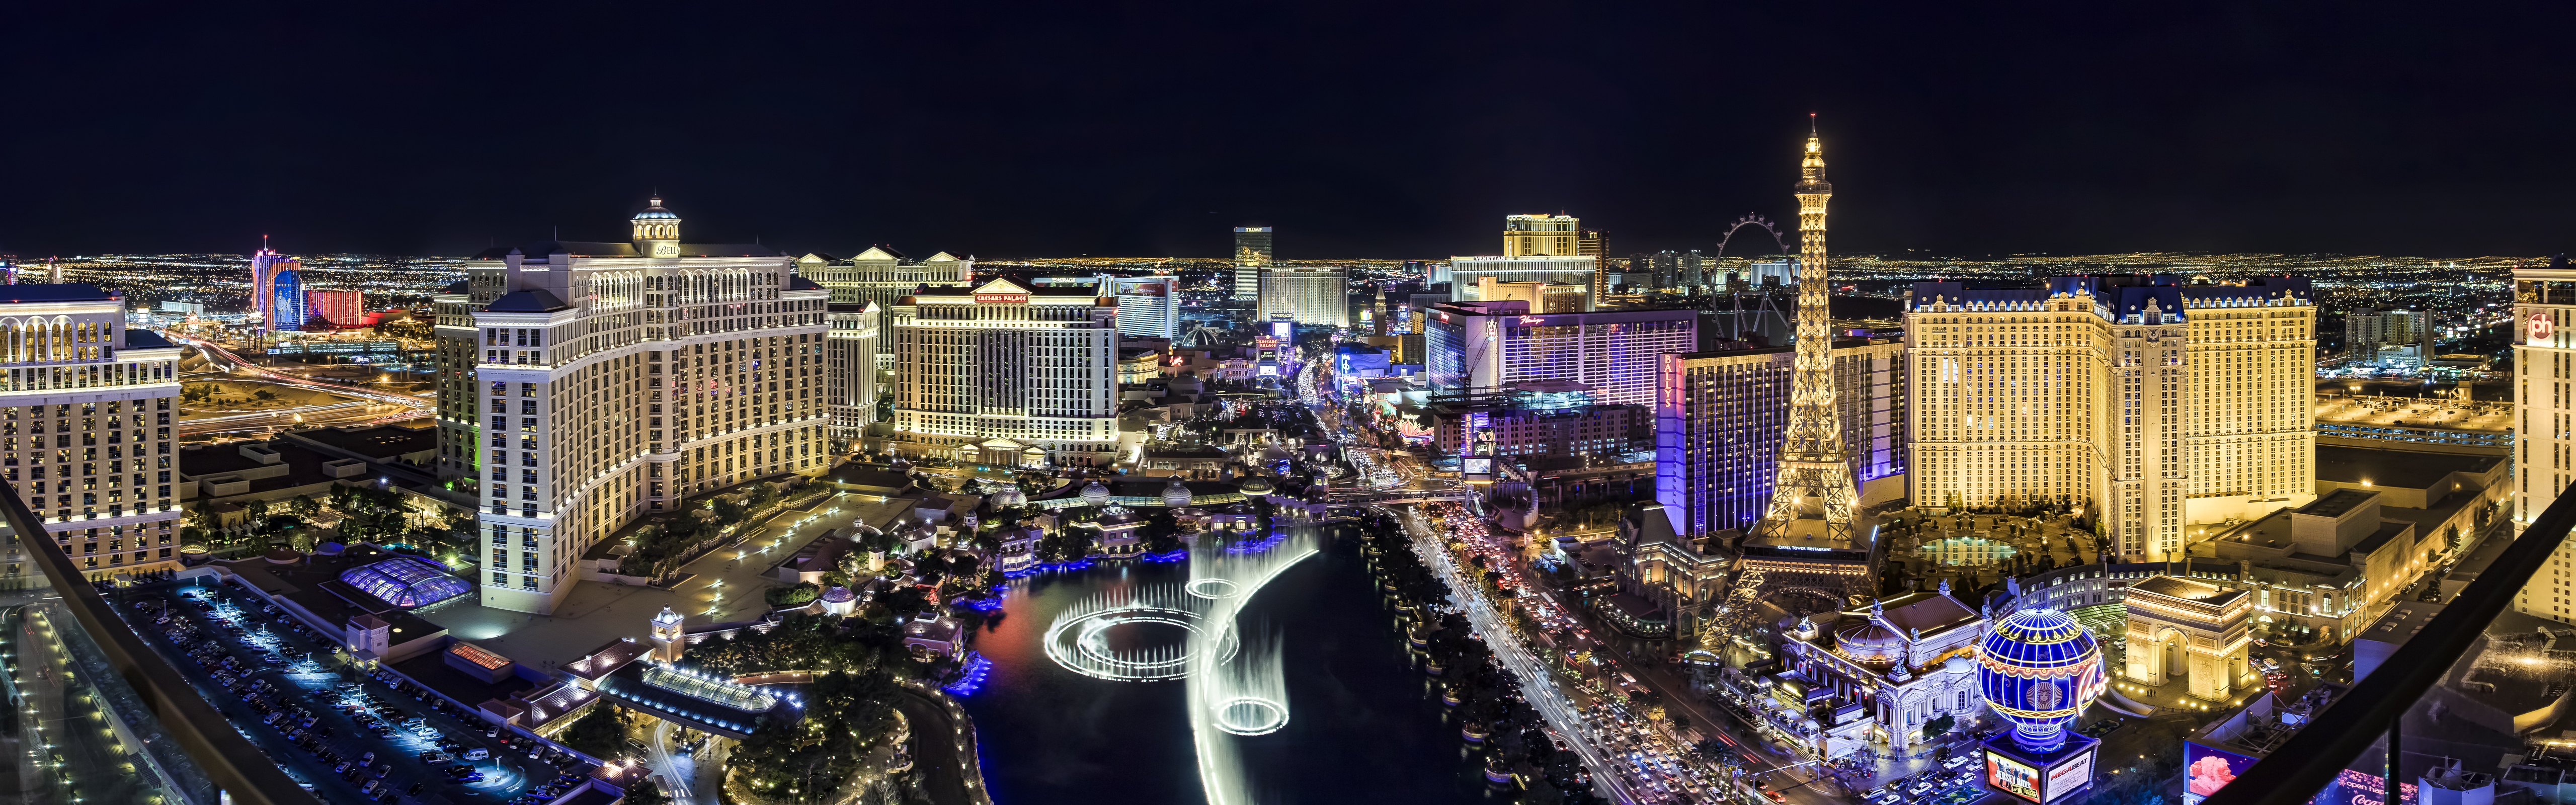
(1368, 727)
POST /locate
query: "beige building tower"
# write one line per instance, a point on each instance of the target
(668, 642)
(2544, 393)
(613, 380)
(1542, 235)
(2141, 403)
(85, 410)
(2185, 628)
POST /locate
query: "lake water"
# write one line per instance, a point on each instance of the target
(1365, 723)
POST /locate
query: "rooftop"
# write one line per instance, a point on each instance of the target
(380, 443)
(2402, 469)
(2188, 590)
(55, 292)
(2389, 412)
(2336, 503)
(313, 583)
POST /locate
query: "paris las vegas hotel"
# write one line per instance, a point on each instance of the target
(584, 385)
(2159, 402)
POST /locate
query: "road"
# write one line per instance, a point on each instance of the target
(679, 772)
(1537, 685)
(943, 748)
(374, 407)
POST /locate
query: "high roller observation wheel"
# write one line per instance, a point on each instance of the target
(1080, 644)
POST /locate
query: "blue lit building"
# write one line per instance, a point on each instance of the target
(286, 307)
(1719, 417)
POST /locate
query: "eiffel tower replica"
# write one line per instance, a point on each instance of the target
(1813, 501)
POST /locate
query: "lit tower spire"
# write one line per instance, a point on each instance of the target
(1813, 497)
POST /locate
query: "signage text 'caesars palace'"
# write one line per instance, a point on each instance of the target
(1001, 299)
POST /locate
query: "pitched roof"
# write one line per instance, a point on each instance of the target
(146, 339)
(533, 300)
(53, 292)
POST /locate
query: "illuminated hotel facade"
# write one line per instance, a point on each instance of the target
(85, 416)
(613, 380)
(2544, 394)
(1001, 374)
(1721, 417)
(1252, 253)
(2147, 403)
(1492, 345)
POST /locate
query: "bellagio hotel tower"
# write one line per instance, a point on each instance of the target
(2146, 403)
(595, 383)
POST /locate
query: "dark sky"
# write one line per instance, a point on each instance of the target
(1386, 129)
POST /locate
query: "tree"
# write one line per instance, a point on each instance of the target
(601, 733)
(303, 506)
(264, 395)
(1938, 726)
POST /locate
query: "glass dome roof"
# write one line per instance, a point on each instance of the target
(407, 581)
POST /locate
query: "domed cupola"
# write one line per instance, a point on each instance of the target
(1176, 495)
(657, 231)
(1095, 494)
(2038, 669)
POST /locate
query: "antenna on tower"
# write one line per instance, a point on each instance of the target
(1811, 124)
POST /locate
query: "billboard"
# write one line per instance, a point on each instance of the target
(2206, 770)
(2069, 776)
(1476, 466)
(2011, 776)
(2361, 788)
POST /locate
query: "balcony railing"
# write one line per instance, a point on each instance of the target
(2468, 704)
(143, 692)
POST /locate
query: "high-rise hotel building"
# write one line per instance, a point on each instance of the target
(1252, 253)
(879, 276)
(1148, 307)
(2147, 403)
(2544, 394)
(1316, 297)
(1720, 419)
(1487, 346)
(85, 410)
(1008, 375)
(613, 380)
(850, 358)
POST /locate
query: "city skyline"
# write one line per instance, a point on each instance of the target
(768, 405)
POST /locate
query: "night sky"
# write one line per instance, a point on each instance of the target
(1381, 129)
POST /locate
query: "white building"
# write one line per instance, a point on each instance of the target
(616, 379)
(1148, 307)
(1316, 297)
(85, 427)
(1002, 374)
(1890, 669)
(851, 359)
(1490, 345)
(1540, 268)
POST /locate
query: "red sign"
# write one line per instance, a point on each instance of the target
(1001, 299)
(2540, 327)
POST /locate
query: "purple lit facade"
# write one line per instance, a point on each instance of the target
(1718, 421)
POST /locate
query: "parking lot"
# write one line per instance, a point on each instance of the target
(348, 738)
(1956, 780)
